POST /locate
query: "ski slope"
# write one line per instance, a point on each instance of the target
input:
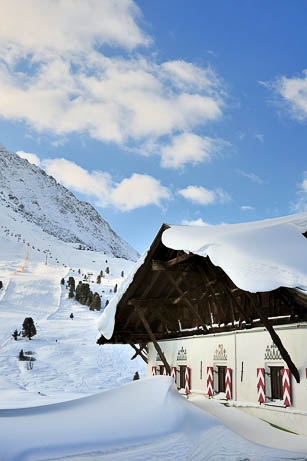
(68, 362)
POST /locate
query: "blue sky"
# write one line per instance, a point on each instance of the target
(162, 111)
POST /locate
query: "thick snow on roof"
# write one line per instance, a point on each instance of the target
(106, 321)
(257, 256)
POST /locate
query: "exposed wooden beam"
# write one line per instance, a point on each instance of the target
(275, 338)
(163, 265)
(187, 301)
(153, 339)
(138, 351)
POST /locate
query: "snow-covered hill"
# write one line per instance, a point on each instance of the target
(68, 362)
(38, 198)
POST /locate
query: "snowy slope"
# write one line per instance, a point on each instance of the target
(68, 362)
(38, 198)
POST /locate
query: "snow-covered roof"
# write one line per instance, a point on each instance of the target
(257, 256)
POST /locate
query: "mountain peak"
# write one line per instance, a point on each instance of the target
(32, 194)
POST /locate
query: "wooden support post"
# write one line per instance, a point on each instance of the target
(276, 339)
(153, 339)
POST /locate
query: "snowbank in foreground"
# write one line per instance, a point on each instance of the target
(257, 256)
(141, 413)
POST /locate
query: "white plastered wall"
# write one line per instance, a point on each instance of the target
(249, 347)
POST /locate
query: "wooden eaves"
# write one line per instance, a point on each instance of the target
(174, 294)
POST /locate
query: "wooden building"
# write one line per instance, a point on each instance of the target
(186, 318)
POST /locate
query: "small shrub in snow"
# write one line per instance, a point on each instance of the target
(15, 335)
(115, 288)
(62, 281)
(107, 302)
(71, 316)
(107, 270)
(1, 285)
(136, 376)
(28, 328)
(21, 356)
(98, 280)
(122, 273)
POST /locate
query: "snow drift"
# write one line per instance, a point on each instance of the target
(146, 412)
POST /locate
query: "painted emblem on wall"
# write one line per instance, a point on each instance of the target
(182, 354)
(272, 353)
(220, 353)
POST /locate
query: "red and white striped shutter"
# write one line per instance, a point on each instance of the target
(164, 371)
(286, 388)
(187, 380)
(260, 385)
(154, 371)
(210, 381)
(228, 383)
(173, 373)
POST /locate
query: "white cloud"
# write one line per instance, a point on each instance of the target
(58, 80)
(32, 158)
(134, 192)
(292, 92)
(202, 196)
(138, 191)
(247, 208)
(44, 28)
(96, 184)
(187, 148)
(252, 176)
(195, 222)
(301, 202)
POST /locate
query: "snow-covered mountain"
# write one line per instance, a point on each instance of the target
(33, 195)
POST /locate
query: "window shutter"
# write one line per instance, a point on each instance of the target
(286, 387)
(187, 377)
(173, 373)
(210, 381)
(228, 383)
(260, 385)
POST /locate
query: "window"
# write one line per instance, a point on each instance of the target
(182, 376)
(276, 383)
(221, 371)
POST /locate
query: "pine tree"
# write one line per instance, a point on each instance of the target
(136, 376)
(62, 282)
(71, 316)
(98, 279)
(96, 303)
(115, 288)
(28, 328)
(1, 285)
(107, 302)
(107, 270)
(122, 274)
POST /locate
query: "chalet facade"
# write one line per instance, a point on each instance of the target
(187, 318)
